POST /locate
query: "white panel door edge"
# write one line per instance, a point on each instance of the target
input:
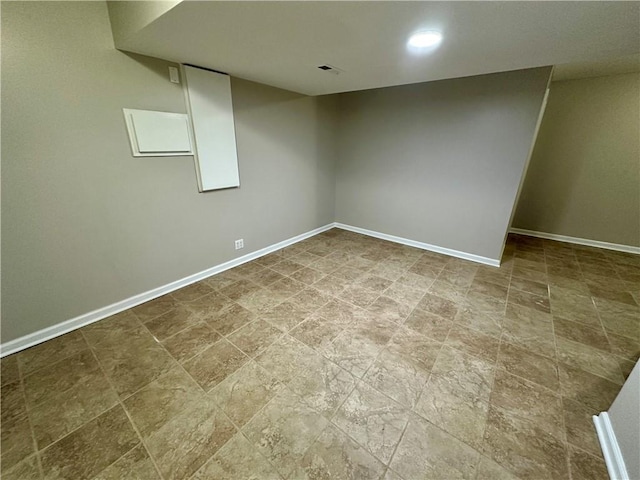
(208, 99)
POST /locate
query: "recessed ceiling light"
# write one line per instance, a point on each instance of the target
(425, 39)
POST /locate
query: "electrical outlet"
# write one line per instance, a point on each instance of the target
(239, 244)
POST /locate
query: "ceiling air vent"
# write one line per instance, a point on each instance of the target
(330, 69)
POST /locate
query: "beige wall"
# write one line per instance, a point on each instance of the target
(584, 177)
(438, 162)
(84, 223)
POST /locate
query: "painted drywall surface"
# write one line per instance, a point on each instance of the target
(439, 162)
(84, 223)
(624, 415)
(584, 176)
(128, 17)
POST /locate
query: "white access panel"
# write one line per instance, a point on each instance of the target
(208, 97)
(154, 134)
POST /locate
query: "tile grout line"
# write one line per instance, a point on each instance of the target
(122, 406)
(34, 442)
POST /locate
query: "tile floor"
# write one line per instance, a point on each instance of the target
(339, 357)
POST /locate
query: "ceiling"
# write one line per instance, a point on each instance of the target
(282, 43)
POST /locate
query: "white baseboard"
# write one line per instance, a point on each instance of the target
(610, 449)
(578, 241)
(67, 326)
(424, 246)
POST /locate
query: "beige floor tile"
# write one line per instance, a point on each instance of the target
(255, 337)
(589, 389)
(523, 448)
(590, 359)
(215, 364)
(235, 292)
(285, 316)
(9, 369)
(530, 333)
(353, 352)
(317, 332)
(335, 455)
(473, 342)
(27, 469)
(373, 283)
(262, 300)
(154, 308)
(485, 303)
(66, 395)
(50, 352)
(486, 287)
(526, 299)
(593, 336)
(154, 405)
(230, 318)
(284, 430)
(425, 451)
(91, 448)
(191, 341)
(243, 393)
(429, 324)
(358, 296)
(131, 359)
(310, 299)
(489, 470)
(624, 346)
(388, 309)
(266, 277)
(172, 322)
(324, 386)
(486, 323)
(308, 275)
(529, 365)
(463, 375)
(343, 313)
(16, 441)
(287, 358)
(330, 285)
(398, 378)
(135, 464)
(378, 330)
(110, 329)
(286, 287)
(404, 294)
(187, 441)
(529, 401)
(192, 292)
(372, 420)
(237, 459)
(619, 318)
(438, 306)
(415, 349)
(462, 417)
(578, 420)
(586, 466)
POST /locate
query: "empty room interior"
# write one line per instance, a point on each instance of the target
(320, 240)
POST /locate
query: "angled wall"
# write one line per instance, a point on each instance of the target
(584, 177)
(438, 162)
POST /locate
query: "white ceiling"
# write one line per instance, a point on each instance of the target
(282, 43)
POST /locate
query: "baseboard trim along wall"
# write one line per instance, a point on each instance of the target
(610, 449)
(67, 326)
(424, 246)
(578, 241)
